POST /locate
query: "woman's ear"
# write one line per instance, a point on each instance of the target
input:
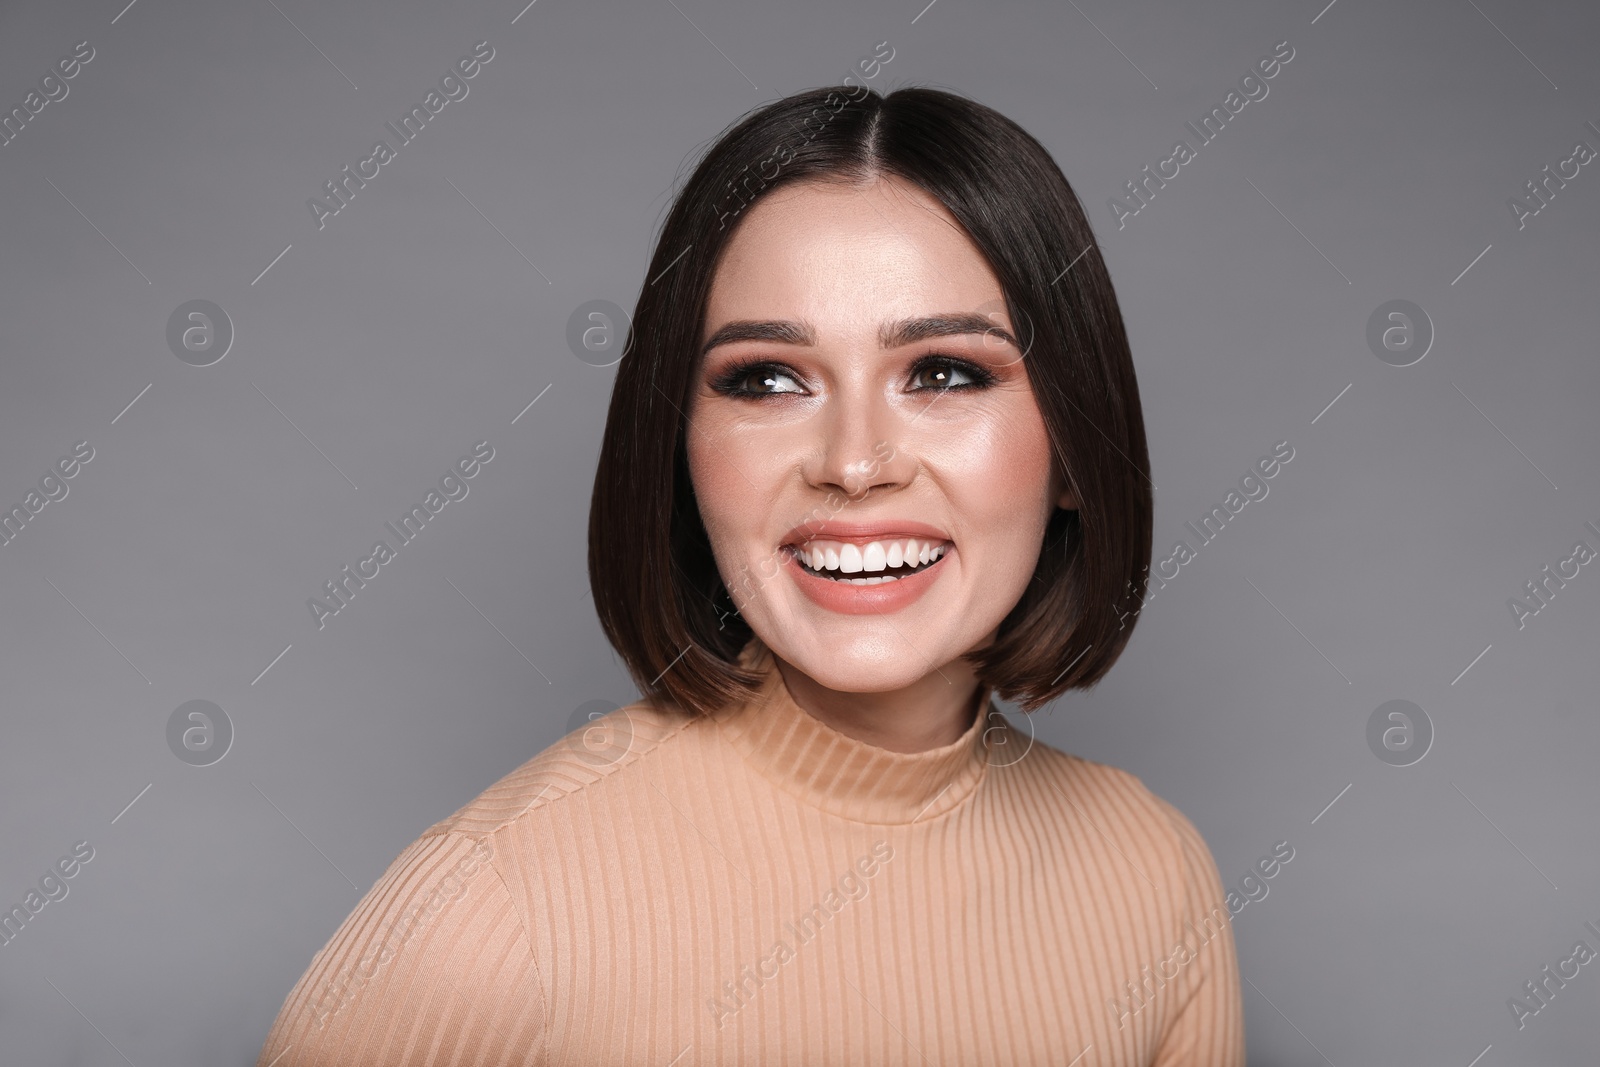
(1066, 499)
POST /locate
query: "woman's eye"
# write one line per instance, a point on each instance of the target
(946, 374)
(758, 380)
(767, 379)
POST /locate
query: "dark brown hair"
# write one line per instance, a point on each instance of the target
(657, 590)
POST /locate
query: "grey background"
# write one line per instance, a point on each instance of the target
(1378, 568)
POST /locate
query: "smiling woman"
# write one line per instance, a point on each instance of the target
(805, 367)
(875, 456)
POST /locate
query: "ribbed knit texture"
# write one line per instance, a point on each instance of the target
(757, 888)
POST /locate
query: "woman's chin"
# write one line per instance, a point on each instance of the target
(880, 661)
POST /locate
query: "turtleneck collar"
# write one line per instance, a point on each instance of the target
(840, 774)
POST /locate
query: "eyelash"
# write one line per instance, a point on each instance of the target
(728, 382)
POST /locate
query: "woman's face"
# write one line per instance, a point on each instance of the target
(879, 407)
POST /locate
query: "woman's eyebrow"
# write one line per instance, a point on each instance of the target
(890, 335)
(789, 333)
(909, 331)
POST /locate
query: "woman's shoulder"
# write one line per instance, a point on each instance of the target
(1108, 803)
(611, 747)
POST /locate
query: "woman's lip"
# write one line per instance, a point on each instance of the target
(847, 598)
(861, 533)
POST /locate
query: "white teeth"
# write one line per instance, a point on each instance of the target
(874, 556)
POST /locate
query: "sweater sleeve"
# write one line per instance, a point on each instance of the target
(433, 968)
(1206, 1028)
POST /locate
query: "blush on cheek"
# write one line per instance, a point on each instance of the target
(1003, 477)
(736, 476)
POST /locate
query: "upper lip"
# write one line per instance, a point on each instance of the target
(863, 532)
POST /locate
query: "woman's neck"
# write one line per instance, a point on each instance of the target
(930, 713)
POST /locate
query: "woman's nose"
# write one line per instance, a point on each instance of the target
(861, 444)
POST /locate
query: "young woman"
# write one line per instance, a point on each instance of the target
(874, 455)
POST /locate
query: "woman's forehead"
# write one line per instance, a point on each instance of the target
(847, 260)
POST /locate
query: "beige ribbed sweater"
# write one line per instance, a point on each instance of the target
(757, 888)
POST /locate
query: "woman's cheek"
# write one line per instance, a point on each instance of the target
(996, 463)
(729, 484)
(710, 471)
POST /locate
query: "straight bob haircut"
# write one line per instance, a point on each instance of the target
(657, 590)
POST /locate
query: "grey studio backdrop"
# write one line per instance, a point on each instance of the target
(1443, 466)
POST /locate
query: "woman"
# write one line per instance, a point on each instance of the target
(874, 454)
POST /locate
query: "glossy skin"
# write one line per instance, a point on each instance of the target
(836, 413)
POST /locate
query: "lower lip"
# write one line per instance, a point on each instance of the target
(849, 599)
